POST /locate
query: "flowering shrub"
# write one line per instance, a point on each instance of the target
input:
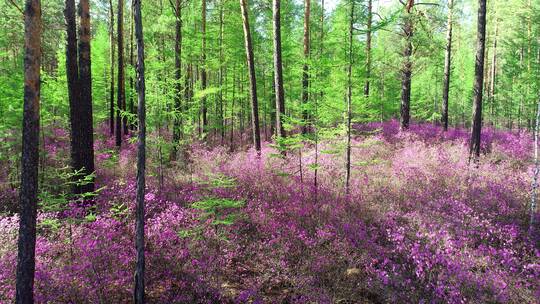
(420, 225)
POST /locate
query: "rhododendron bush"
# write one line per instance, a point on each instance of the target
(419, 225)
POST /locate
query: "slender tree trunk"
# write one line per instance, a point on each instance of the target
(85, 87)
(252, 80)
(120, 99)
(278, 68)
(368, 48)
(178, 86)
(305, 73)
(406, 70)
(447, 66)
(132, 66)
(26, 263)
(112, 88)
(478, 80)
(203, 66)
(221, 62)
(232, 110)
(139, 295)
(349, 100)
(534, 217)
(493, 72)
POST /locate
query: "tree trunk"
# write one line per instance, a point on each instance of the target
(203, 67)
(252, 80)
(278, 69)
(121, 98)
(132, 66)
(478, 80)
(74, 96)
(406, 70)
(139, 296)
(349, 100)
(178, 76)
(221, 62)
(534, 216)
(493, 72)
(447, 66)
(305, 73)
(368, 48)
(26, 263)
(85, 103)
(111, 93)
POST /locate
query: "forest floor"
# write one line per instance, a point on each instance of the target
(419, 225)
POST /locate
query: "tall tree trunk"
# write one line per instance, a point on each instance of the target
(368, 48)
(178, 76)
(447, 66)
(232, 110)
(305, 73)
(85, 87)
(252, 80)
(139, 296)
(132, 66)
(478, 80)
(534, 228)
(203, 67)
(74, 95)
(278, 68)
(112, 88)
(349, 100)
(121, 98)
(26, 263)
(406, 70)
(493, 72)
(221, 62)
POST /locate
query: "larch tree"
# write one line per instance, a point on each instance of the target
(305, 71)
(349, 98)
(447, 66)
(178, 77)
(278, 68)
(478, 81)
(204, 108)
(121, 93)
(139, 289)
(252, 79)
(368, 47)
(26, 263)
(111, 50)
(85, 102)
(406, 69)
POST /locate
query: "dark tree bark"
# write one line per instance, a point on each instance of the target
(252, 80)
(138, 294)
(178, 76)
(278, 69)
(305, 73)
(203, 66)
(447, 66)
(85, 102)
(478, 80)
(131, 125)
(406, 70)
(221, 61)
(111, 93)
(349, 99)
(26, 263)
(121, 94)
(368, 48)
(74, 96)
